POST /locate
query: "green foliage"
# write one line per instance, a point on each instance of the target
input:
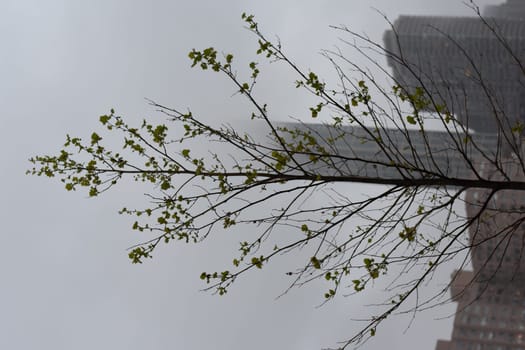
(206, 59)
(313, 81)
(258, 261)
(411, 120)
(315, 262)
(408, 233)
(358, 285)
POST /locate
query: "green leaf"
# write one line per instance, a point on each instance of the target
(104, 119)
(95, 138)
(93, 192)
(315, 262)
(358, 286)
(257, 262)
(411, 120)
(165, 185)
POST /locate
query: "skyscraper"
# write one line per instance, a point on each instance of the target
(471, 65)
(475, 66)
(426, 153)
(491, 298)
(512, 9)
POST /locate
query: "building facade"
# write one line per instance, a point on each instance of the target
(475, 66)
(355, 151)
(470, 65)
(491, 298)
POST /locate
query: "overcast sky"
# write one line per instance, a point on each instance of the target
(66, 279)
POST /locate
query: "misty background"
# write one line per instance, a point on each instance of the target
(66, 281)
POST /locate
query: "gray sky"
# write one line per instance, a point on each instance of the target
(66, 279)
